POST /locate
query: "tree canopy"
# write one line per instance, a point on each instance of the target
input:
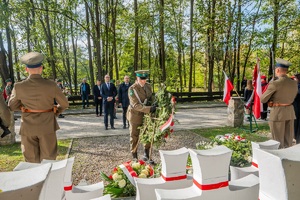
(184, 43)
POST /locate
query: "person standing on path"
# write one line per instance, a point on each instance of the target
(98, 98)
(85, 91)
(8, 89)
(108, 93)
(61, 87)
(123, 98)
(280, 94)
(140, 96)
(35, 98)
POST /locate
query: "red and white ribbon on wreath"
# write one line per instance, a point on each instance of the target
(128, 171)
(167, 124)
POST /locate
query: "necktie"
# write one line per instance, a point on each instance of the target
(107, 85)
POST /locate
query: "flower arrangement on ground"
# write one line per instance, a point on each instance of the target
(121, 181)
(241, 155)
(159, 125)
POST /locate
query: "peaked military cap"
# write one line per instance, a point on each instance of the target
(8, 80)
(143, 74)
(282, 63)
(32, 59)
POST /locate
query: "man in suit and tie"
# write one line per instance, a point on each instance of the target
(97, 98)
(108, 92)
(123, 98)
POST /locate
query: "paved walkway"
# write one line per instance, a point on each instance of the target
(83, 123)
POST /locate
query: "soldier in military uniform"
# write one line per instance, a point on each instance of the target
(35, 97)
(140, 95)
(280, 94)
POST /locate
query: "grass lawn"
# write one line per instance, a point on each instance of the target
(259, 136)
(11, 155)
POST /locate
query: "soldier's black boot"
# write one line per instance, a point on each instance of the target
(146, 157)
(134, 156)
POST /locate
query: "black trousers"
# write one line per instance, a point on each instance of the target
(264, 114)
(98, 105)
(124, 116)
(109, 110)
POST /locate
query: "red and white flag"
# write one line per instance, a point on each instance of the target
(228, 87)
(257, 106)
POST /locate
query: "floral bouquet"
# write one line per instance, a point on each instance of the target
(121, 181)
(241, 155)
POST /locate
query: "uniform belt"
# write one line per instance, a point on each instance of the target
(25, 110)
(280, 104)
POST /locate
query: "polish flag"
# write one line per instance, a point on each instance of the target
(257, 106)
(227, 89)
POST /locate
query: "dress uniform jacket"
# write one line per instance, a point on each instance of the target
(139, 98)
(281, 91)
(37, 93)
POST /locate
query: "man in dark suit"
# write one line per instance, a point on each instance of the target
(85, 92)
(123, 98)
(97, 98)
(108, 92)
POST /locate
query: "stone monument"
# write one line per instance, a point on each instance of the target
(235, 112)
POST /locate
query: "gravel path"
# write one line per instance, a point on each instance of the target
(93, 155)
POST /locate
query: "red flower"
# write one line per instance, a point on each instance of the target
(110, 177)
(166, 135)
(133, 174)
(171, 130)
(115, 169)
(141, 162)
(172, 124)
(151, 170)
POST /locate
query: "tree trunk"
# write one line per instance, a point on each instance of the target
(91, 69)
(191, 47)
(275, 34)
(162, 40)
(136, 37)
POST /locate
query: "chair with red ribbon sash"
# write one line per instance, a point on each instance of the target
(83, 192)
(279, 175)
(240, 172)
(173, 175)
(210, 179)
(24, 184)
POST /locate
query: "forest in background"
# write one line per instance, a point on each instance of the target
(184, 43)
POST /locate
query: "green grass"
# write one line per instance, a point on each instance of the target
(11, 155)
(259, 136)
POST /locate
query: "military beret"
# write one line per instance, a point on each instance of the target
(263, 77)
(58, 80)
(8, 80)
(282, 63)
(32, 59)
(143, 74)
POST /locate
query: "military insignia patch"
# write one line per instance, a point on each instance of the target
(131, 92)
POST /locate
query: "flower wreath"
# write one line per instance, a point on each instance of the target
(121, 182)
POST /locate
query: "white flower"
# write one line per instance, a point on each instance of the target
(136, 165)
(116, 176)
(142, 175)
(122, 183)
(144, 171)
